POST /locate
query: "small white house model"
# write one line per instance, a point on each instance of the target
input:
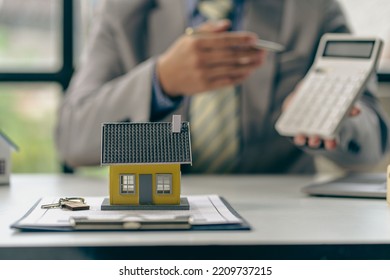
(6, 146)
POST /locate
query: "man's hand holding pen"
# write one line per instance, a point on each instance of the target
(208, 59)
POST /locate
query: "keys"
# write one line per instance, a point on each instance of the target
(51, 206)
(71, 203)
(75, 205)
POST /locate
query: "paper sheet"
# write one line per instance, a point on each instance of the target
(204, 210)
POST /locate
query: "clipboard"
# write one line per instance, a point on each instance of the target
(179, 223)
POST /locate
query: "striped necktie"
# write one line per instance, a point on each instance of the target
(214, 115)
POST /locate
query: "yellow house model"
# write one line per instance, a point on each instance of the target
(144, 162)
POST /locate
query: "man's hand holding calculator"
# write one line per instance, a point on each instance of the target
(315, 142)
(314, 113)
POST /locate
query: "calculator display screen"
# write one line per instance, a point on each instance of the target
(350, 49)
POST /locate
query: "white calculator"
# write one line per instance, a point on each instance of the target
(337, 78)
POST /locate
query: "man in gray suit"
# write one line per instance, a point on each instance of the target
(139, 67)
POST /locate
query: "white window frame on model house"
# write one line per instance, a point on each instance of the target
(127, 183)
(163, 183)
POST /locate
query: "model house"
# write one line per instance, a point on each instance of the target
(144, 161)
(6, 147)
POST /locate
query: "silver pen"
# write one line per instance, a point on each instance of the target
(268, 45)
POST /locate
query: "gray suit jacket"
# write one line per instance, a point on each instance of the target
(114, 82)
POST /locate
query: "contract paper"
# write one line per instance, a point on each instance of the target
(204, 210)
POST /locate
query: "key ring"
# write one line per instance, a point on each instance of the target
(80, 199)
(189, 31)
(61, 201)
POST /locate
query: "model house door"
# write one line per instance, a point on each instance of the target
(145, 189)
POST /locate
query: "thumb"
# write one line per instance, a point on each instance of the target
(355, 111)
(214, 26)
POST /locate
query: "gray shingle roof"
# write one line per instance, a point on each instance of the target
(8, 141)
(132, 143)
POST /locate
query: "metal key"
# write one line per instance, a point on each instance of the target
(51, 205)
(62, 201)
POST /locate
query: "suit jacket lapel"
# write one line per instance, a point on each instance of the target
(288, 26)
(264, 19)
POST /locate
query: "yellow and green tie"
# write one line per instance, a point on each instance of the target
(214, 115)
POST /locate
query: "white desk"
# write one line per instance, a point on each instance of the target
(286, 223)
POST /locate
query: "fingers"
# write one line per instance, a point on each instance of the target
(223, 58)
(227, 81)
(214, 26)
(223, 68)
(300, 140)
(224, 40)
(201, 61)
(287, 101)
(229, 70)
(315, 142)
(232, 56)
(330, 144)
(217, 77)
(355, 111)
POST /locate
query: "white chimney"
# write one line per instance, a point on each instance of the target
(176, 123)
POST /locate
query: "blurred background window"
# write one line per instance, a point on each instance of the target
(30, 46)
(30, 35)
(27, 116)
